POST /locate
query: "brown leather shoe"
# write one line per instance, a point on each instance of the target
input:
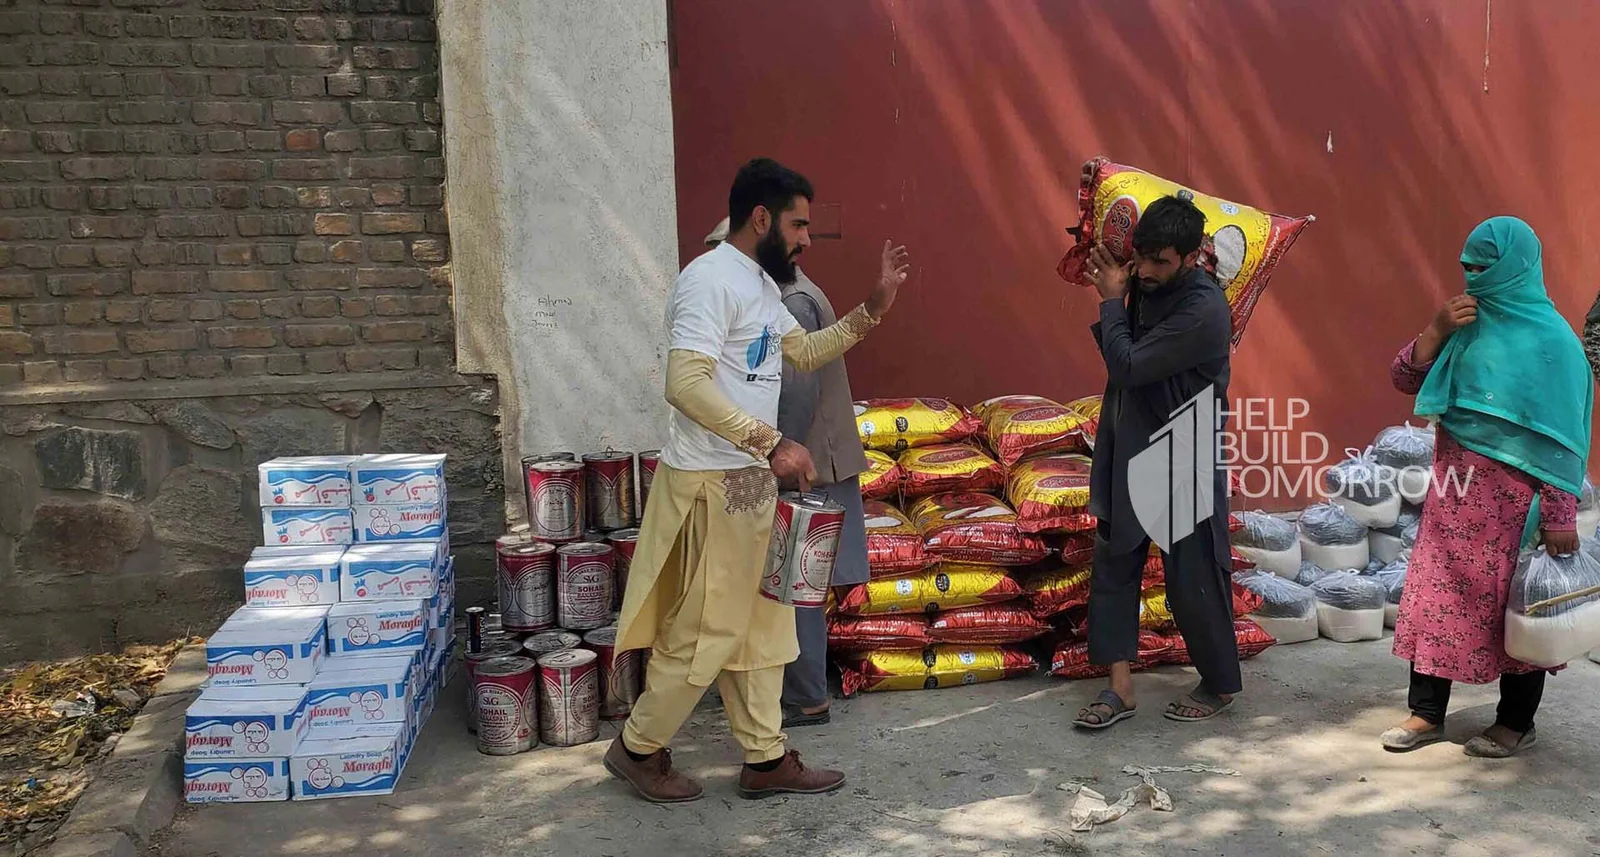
(790, 777)
(654, 779)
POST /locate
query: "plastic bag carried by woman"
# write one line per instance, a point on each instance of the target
(1553, 615)
(1269, 541)
(1330, 538)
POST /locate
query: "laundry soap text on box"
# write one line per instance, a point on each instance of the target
(267, 645)
(236, 780)
(389, 572)
(381, 693)
(398, 522)
(306, 481)
(398, 479)
(307, 526)
(361, 626)
(292, 576)
(245, 722)
(349, 761)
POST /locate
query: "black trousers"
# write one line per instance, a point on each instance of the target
(1520, 696)
(1199, 591)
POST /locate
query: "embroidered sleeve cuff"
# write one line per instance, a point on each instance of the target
(858, 323)
(759, 440)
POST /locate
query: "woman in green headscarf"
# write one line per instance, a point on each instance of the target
(1505, 378)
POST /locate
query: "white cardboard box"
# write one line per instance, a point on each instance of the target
(245, 722)
(322, 480)
(389, 572)
(398, 479)
(398, 523)
(410, 660)
(236, 780)
(308, 526)
(287, 577)
(349, 761)
(267, 645)
(370, 626)
(379, 693)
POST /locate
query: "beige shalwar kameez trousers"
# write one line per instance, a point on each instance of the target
(693, 594)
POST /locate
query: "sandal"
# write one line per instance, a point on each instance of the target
(1112, 703)
(1484, 747)
(1199, 699)
(1399, 739)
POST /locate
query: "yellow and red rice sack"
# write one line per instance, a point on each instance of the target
(1243, 245)
(882, 478)
(895, 425)
(977, 528)
(944, 587)
(936, 666)
(1251, 638)
(991, 624)
(1051, 494)
(894, 544)
(898, 631)
(1089, 408)
(946, 467)
(1022, 426)
(1057, 590)
(1071, 659)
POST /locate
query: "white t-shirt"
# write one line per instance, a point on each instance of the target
(724, 306)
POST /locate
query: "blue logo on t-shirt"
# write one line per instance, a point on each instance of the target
(758, 352)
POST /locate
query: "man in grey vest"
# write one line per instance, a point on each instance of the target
(817, 406)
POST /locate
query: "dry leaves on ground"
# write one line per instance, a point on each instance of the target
(57, 717)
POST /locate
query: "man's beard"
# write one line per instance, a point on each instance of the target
(774, 258)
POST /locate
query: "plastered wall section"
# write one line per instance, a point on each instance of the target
(560, 187)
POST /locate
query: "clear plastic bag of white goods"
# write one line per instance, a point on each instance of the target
(1261, 530)
(1367, 490)
(1588, 511)
(1384, 548)
(1410, 514)
(1404, 446)
(1414, 483)
(1350, 607)
(1553, 614)
(1330, 538)
(1269, 541)
(1288, 610)
(1309, 573)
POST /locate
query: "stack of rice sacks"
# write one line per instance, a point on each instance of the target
(960, 505)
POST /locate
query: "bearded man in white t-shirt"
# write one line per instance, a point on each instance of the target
(693, 593)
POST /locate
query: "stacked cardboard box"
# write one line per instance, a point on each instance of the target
(320, 684)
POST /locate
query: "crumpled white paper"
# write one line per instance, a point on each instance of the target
(1091, 809)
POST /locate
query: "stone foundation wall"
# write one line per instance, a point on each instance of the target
(128, 521)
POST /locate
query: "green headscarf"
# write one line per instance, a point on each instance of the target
(1514, 385)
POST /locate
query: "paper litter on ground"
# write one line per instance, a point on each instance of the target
(1092, 810)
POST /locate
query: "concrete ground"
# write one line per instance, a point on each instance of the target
(975, 770)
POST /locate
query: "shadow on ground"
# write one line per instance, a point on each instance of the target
(975, 771)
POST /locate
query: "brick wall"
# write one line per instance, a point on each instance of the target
(222, 239)
(220, 188)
